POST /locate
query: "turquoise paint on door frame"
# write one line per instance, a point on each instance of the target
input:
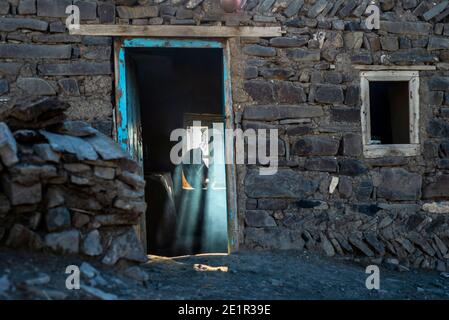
(122, 113)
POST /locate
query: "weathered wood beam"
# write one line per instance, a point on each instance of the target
(176, 31)
(394, 68)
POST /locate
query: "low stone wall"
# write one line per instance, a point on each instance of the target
(403, 235)
(65, 187)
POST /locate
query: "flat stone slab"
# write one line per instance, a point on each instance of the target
(61, 143)
(278, 112)
(106, 147)
(285, 183)
(416, 28)
(13, 24)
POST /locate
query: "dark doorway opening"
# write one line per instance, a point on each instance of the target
(176, 88)
(390, 112)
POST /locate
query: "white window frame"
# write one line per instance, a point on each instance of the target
(371, 150)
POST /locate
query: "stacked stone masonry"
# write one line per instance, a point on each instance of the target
(304, 84)
(66, 187)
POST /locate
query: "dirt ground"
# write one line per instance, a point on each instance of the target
(246, 275)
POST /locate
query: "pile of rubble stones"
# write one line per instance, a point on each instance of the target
(66, 187)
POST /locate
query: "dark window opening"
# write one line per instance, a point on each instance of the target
(187, 211)
(389, 112)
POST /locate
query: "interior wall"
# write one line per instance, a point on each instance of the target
(175, 85)
(173, 82)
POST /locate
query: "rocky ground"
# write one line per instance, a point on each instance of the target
(247, 275)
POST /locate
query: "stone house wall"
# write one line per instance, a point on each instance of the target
(302, 84)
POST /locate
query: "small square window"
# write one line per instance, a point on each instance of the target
(390, 113)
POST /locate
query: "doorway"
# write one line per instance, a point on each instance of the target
(165, 85)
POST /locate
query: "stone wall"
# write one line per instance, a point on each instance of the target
(327, 196)
(66, 187)
(303, 84)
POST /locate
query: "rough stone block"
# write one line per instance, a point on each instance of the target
(321, 164)
(104, 172)
(345, 115)
(27, 7)
(74, 145)
(399, 184)
(304, 55)
(352, 144)
(259, 51)
(409, 28)
(316, 146)
(435, 10)
(4, 7)
(317, 8)
(4, 86)
(260, 91)
(364, 57)
(35, 86)
(353, 40)
(8, 146)
(360, 245)
(10, 68)
(57, 27)
(284, 184)
(31, 51)
(58, 219)
(293, 8)
(411, 56)
(352, 167)
(106, 13)
(287, 92)
(409, 4)
(88, 9)
(96, 41)
(276, 73)
(259, 219)
(347, 8)
(22, 237)
(74, 69)
(289, 42)
(96, 53)
(52, 8)
(439, 189)
(126, 246)
(69, 86)
(91, 245)
(389, 43)
(272, 204)
(19, 194)
(438, 128)
(329, 94)
(363, 190)
(345, 187)
(63, 242)
(434, 98)
(438, 43)
(274, 238)
(138, 12)
(438, 83)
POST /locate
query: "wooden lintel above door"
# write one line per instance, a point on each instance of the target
(176, 31)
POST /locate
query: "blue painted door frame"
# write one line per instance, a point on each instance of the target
(126, 119)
